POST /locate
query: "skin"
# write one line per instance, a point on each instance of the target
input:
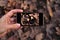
(5, 22)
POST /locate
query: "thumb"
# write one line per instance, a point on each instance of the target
(14, 26)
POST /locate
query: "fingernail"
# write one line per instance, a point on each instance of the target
(18, 25)
(21, 10)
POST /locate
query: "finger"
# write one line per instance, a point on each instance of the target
(3, 34)
(14, 26)
(9, 14)
(12, 20)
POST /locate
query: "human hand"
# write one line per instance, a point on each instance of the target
(5, 22)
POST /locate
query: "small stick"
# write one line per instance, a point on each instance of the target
(49, 8)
